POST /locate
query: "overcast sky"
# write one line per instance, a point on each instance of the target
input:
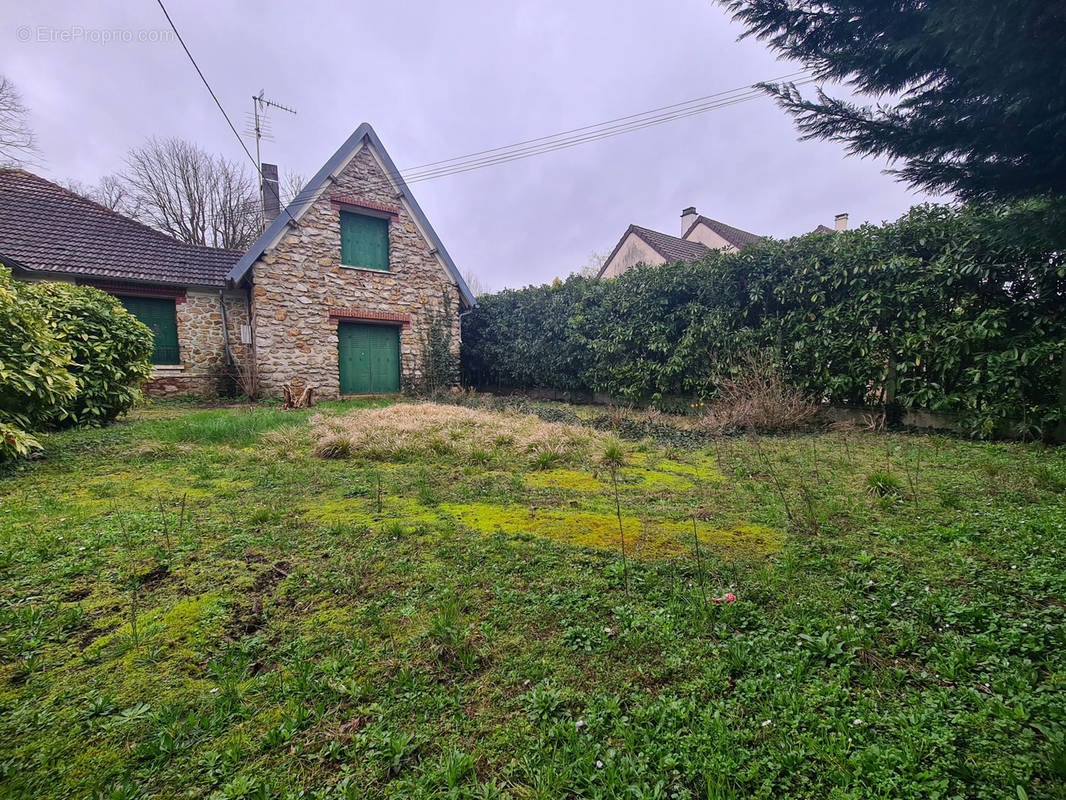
(441, 79)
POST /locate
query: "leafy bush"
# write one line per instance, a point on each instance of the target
(68, 355)
(33, 370)
(111, 350)
(955, 309)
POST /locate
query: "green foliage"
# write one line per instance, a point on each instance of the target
(954, 309)
(976, 86)
(111, 350)
(68, 355)
(440, 368)
(884, 483)
(34, 377)
(529, 337)
(907, 650)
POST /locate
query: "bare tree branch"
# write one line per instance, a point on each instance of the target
(18, 146)
(109, 192)
(291, 186)
(592, 267)
(183, 191)
(474, 283)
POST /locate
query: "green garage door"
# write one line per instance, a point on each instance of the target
(369, 358)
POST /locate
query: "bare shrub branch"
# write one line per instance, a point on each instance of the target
(759, 400)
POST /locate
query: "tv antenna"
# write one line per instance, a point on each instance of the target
(261, 123)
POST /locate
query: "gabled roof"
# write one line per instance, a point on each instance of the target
(735, 236)
(823, 229)
(314, 188)
(46, 228)
(671, 248)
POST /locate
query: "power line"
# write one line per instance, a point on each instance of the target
(588, 133)
(527, 148)
(214, 97)
(789, 76)
(595, 135)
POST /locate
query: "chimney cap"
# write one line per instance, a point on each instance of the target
(688, 211)
(842, 215)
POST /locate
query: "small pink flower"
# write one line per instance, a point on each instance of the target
(730, 597)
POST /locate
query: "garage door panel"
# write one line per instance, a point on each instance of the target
(368, 358)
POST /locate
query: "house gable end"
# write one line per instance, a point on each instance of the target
(703, 234)
(325, 181)
(632, 249)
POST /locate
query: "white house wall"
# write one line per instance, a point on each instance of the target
(633, 251)
(704, 235)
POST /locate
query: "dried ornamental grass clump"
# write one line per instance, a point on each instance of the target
(471, 434)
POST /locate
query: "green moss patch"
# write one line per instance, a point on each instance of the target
(570, 480)
(364, 510)
(646, 538)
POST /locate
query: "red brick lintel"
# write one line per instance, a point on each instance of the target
(352, 203)
(339, 314)
(136, 289)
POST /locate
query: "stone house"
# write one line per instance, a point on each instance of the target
(699, 235)
(348, 288)
(350, 285)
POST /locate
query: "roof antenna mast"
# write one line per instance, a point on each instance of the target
(261, 130)
(261, 124)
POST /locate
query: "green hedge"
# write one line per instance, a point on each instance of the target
(956, 309)
(68, 355)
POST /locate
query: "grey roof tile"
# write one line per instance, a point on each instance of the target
(735, 236)
(672, 248)
(46, 228)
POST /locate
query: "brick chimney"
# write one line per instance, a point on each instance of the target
(688, 216)
(269, 191)
(840, 222)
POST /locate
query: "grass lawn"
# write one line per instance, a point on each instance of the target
(194, 604)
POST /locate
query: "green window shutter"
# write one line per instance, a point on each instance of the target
(364, 241)
(161, 318)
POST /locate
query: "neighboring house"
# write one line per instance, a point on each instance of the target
(343, 289)
(699, 235)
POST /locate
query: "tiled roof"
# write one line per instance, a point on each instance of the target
(672, 248)
(735, 236)
(823, 229)
(44, 227)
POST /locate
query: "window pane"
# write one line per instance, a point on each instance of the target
(364, 241)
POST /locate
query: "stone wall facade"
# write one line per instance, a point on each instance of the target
(300, 289)
(202, 345)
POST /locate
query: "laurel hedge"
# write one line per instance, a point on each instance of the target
(950, 308)
(68, 355)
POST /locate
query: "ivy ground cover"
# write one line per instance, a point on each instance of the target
(201, 603)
